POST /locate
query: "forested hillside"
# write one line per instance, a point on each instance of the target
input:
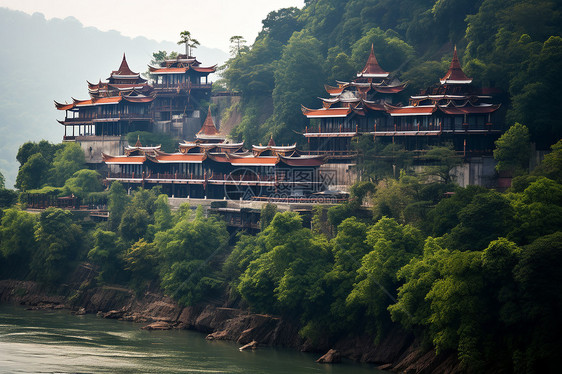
(44, 60)
(512, 45)
(473, 274)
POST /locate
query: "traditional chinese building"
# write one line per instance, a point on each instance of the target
(451, 111)
(353, 108)
(116, 107)
(210, 167)
(126, 102)
(181, 84)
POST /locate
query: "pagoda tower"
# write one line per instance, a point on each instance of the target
(451, 111)
(353, 108)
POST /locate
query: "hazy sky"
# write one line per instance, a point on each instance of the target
(211, 22)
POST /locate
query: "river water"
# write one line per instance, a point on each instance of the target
(58, 342)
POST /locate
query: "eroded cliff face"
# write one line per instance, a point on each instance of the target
(399, 351)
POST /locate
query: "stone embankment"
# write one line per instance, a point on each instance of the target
(398, 352)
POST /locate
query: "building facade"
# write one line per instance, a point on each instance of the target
(210, 167)
(453, 111)
(126, 102)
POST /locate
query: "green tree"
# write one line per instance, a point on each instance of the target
(459, 308)
(281, 24)
(145, 199)
(17, 242)
(418, 276)
(392, 246)
(551, 165)
(513, 150)
(247, 249)
(442, 159)
(487, 217)
(444, 216)
(189, 41)
(33, 173)
(83, 182)
(539, 278)
(399, 199)
(189, 252)
(535, 100)
(238, 45)
(163, 219)
(537, 211)
(302, 63)
(118, 201)
(141, 260)
(266, 216)
(46, 149)
(134, 223)
(288, 275)
(391, 51)
(106, 254)
(7, 198)
(359, 191)
(348, 248)
(160, 56)
(338, 65)
(59, 242)
(66, 162)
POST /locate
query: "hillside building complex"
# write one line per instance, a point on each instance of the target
(126, 102)
(451, 111)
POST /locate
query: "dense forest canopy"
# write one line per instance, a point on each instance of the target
(514, 46)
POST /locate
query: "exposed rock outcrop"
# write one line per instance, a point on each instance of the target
(160, 325)
(251, 345)
(30, 294)
(331, 357)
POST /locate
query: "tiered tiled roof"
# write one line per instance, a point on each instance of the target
(454, 96)
(368, 91)
(104, 101)
(455, 75)
(181, 65)
(372, 68)
(209, 130)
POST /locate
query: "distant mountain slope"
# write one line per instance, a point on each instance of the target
(42, 61)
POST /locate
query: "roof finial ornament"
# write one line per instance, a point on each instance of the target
(455, 75)
(124, 68)
(271, 142)
(372, 68)
(208, 128)
(138, 143)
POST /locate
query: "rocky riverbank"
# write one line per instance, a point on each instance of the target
(398, 352)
